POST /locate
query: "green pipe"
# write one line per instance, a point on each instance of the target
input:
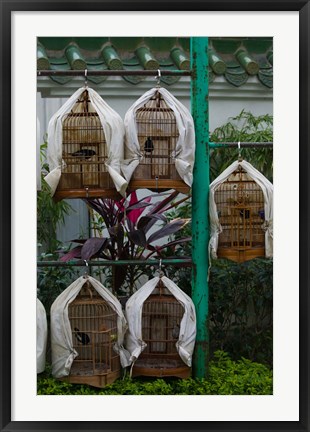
(270, 57)
(42, 58)
(75, 58)
(111, 58)
(216, 63)
(180, 59)
(200, 202)
(247, 62)
(146, 59)
(81, 263)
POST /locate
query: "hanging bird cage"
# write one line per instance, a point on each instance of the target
(85, 147)
(94, 331)
(161, 320)
(87, 334)
(84, 153)
(240, 206)
(157, 135)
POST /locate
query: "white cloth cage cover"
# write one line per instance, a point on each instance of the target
(41, 336)
(184, 154)
(267, 189)
(113, 128)
(63, 352)
(186, 342)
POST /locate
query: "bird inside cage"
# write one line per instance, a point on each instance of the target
(84, 150)
(161, 319)
(240, 208)
(94, 331)
(157, 134)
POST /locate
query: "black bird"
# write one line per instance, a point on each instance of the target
(148, 145)
(261, 214)
(246, 213)
(176, 331)
(83, 338)
(84, 153)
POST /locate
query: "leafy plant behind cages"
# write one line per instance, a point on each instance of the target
(241, 308)
(49, 213)
(134, 230)
(244, 127)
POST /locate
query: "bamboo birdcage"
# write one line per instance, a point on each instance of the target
(84, 154)
(240, 207)
(157, 133)
(94, 331)
(161, 319)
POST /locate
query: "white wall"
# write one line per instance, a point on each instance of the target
(225, 100)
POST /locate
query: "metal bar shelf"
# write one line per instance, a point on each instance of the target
(81, 263)
(121, 72)
(242, 144)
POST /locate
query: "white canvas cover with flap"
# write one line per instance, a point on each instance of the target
(63, 352)
(41, 336)
(186, 342)
(184, 154)
(267, 189)
(113, 128)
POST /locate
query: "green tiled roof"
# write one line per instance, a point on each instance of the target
(235, 59)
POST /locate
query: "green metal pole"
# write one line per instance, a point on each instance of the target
(200, 201)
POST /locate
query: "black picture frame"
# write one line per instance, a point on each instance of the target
(9, 6)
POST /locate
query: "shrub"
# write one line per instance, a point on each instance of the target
(226, 377)
(241, 308)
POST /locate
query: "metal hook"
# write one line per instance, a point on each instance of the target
(239, 155)
(160, 269)
(158, 77)
(85, 78)
(87, 269)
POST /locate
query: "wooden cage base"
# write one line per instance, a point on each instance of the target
(161, 368)
(93, 380)
(161, 185)
(90, 193)
(240, 255)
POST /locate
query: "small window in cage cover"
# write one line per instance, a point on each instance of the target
(241, 214)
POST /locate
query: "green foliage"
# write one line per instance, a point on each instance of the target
(133, 229)
(52, 281)
(245, 127)
(241, 308)
(49, 213)
(226, 377)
